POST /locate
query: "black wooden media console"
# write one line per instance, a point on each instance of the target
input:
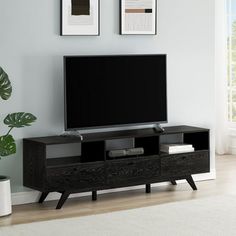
(94, 170)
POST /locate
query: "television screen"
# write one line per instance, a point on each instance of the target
(105, 91)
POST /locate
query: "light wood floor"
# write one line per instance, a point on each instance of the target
(224, 184)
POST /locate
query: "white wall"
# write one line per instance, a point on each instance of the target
(31, 52)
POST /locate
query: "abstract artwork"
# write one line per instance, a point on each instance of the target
(80, 17)
(138, 17)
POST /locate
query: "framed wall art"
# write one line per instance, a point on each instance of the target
(138, 17)
(80, 17)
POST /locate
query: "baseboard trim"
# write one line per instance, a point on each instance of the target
(33, 196)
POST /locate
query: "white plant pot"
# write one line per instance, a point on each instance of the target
(5, 196)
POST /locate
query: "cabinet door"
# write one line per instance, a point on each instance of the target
(133, 171)
(185, 164)
(78, 177)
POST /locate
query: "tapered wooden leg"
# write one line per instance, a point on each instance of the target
(94, 195)
(191, 182)
(173, 182)
(62, 200)
(43, 197)
(148, 188)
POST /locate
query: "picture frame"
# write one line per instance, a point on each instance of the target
(138, 17)
(80, 18)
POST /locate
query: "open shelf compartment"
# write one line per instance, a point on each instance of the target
(74, 153)
(199, 140)
(149, 144)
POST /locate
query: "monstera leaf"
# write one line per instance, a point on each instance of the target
(19, 119)
(13, 120)
(5, 85)
(7, 145)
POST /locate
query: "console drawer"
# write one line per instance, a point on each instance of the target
(131, 171)
(185, 164)
(83, 176)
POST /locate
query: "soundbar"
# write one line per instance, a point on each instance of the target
(126, 152)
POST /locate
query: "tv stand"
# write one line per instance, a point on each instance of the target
(48, 168)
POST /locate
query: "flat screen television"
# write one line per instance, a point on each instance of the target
(118, 90)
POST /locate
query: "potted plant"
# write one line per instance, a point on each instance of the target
(7, 142)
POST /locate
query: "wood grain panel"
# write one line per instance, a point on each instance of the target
(141, 169)
(185, 164)
(78, 177)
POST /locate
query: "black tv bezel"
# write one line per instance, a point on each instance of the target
(116, 126)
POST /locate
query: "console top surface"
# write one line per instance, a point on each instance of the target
(90, 137)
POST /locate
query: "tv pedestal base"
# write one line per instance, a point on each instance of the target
(94, 170)
(158, 128)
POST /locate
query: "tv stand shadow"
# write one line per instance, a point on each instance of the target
(94, 170)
